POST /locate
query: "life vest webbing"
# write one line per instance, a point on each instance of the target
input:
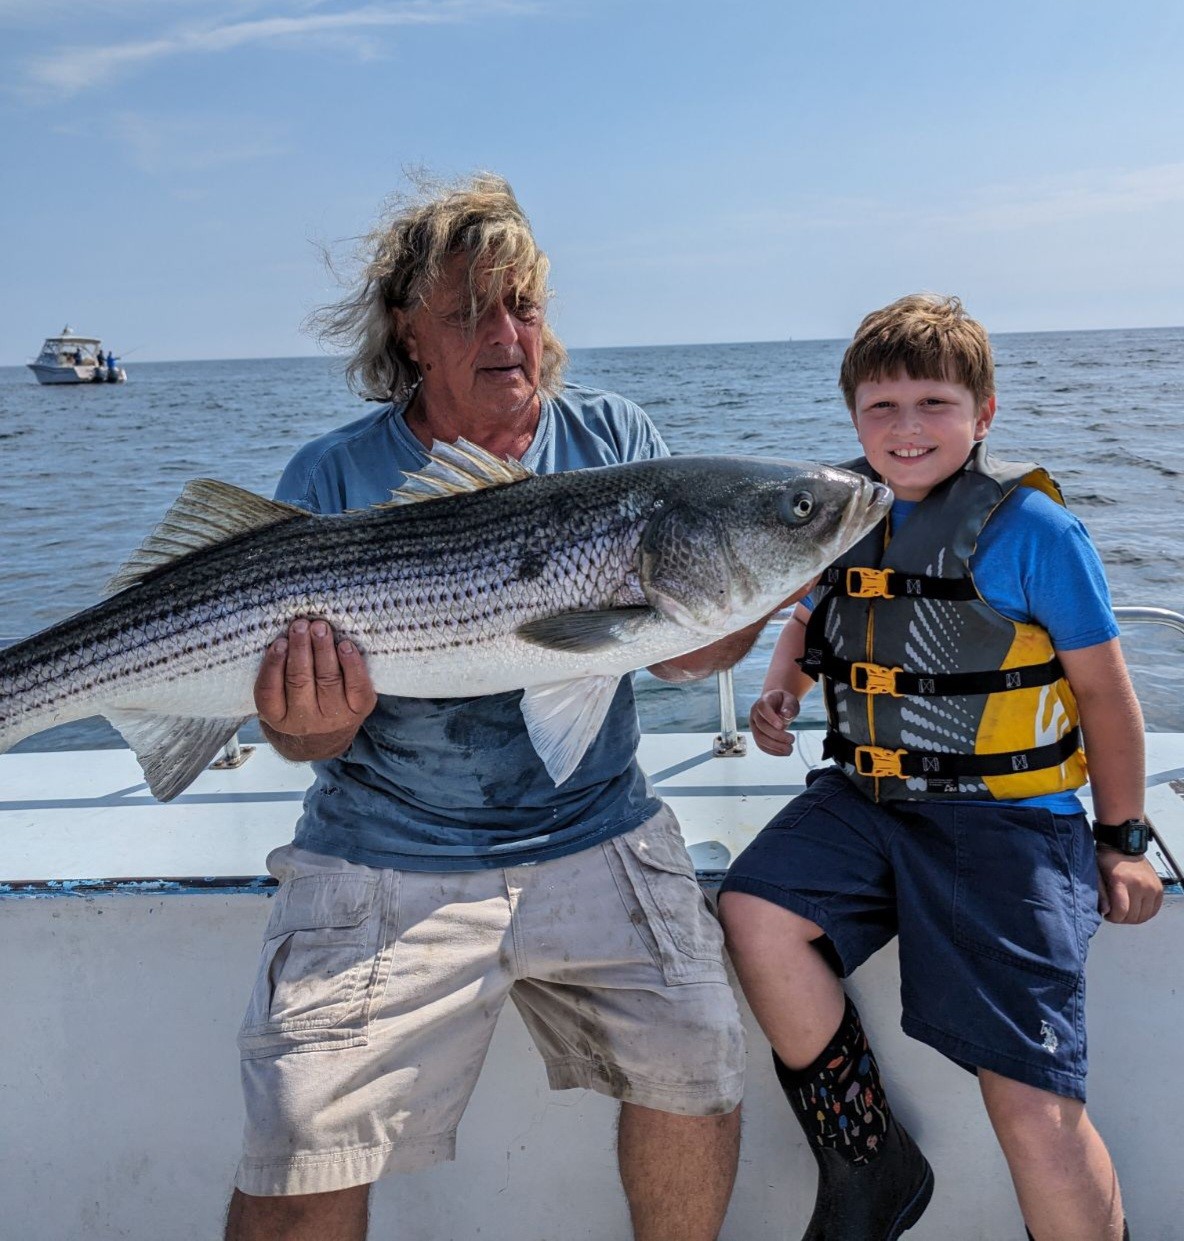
(854, 582)
(869, 678)
(933, 765)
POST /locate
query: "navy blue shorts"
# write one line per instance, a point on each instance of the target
(994, 906)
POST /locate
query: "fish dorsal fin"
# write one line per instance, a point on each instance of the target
(206, 513)
(454, 469)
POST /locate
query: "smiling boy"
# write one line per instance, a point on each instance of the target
(969, 658)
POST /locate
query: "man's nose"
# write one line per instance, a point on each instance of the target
(499, 326)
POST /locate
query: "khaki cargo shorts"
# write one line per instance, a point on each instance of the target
(378, 991)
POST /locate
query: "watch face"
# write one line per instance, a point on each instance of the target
(1137, 838)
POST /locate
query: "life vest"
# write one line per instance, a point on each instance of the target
(929, 691)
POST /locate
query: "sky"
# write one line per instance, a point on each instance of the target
(173, 171)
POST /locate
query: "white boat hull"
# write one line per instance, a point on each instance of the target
(76, 374)
(122, 1113)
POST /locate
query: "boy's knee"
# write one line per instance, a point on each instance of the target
(1028, 1113)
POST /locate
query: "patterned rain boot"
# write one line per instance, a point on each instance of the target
(873, 1182)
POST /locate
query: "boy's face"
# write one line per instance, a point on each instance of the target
(917, 432)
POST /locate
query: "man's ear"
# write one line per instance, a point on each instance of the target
(986, 415)
(405, 333)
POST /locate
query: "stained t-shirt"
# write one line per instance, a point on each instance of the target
(455, 783)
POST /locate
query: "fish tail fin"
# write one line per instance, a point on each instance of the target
(173, 750)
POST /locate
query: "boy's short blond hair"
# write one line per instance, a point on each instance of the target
(924, 336)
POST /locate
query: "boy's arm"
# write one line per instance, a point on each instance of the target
(1112, 725)
(785, 685)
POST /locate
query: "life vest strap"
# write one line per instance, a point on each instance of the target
(868, 678)
(869, 583)
(873, 760)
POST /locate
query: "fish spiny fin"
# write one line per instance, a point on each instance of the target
(563, 720)
(173, 751)
(205, 514)
(454, 469)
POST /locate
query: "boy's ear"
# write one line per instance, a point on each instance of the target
(986, 415)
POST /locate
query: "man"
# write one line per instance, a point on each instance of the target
(434, 846)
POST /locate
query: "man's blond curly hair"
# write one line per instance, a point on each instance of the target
(403, 258)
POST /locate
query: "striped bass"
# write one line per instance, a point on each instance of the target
(477, 577)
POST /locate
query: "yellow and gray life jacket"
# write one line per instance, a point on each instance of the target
(929, 691)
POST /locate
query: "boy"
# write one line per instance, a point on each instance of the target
(968, 652)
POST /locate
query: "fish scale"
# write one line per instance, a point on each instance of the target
(535, 583)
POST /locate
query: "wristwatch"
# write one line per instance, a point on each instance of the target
(1131, 837)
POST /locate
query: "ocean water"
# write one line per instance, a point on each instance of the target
(85, 472)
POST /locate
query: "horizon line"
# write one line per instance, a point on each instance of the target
(705, 344)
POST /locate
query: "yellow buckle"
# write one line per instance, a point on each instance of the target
(879, 761)
(870, 584)
(874, 679)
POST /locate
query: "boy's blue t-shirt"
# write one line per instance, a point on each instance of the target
(455, 783)
(1035, 563)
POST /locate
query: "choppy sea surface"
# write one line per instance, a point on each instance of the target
(86, 471)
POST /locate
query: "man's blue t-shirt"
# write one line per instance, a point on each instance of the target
(455, 783)
(1035, 563)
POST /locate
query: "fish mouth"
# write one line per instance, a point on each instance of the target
(868, 506)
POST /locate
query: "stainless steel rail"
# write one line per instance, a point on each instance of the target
(1150, 616)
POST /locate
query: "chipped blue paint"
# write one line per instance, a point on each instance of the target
(45, 889)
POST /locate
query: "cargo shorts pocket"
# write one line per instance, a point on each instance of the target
(1026, 892)
(318, 969)
(656, 880)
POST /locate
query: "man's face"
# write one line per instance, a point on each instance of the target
(490, 367)
(917, 432)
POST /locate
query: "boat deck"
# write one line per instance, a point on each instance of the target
(84, 820)
(132, 931)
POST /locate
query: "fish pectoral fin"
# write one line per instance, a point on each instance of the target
(583, 633)
(173, 750)
(206, 513)
(454, 469)
(564, 718)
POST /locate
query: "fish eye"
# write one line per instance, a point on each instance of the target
(803, 505)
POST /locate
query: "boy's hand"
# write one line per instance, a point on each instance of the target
(771, 715)
(1129, 890)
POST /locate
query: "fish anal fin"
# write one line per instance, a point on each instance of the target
(206, 513)
(564, 718)
(172, 750)
(583, 633)
(455, 469)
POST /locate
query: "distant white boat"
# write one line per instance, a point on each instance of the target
(73, 359)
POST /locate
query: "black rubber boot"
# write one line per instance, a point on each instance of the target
(864, 1194)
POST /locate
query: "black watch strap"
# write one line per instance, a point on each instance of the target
(1132, 837)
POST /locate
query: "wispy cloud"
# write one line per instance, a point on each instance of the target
(1030, 204)
(70, 70)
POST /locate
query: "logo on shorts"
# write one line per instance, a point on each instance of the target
(1048, 1037)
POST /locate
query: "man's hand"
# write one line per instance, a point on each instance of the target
(1129, 890)
(770, 717)
(312, 695)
